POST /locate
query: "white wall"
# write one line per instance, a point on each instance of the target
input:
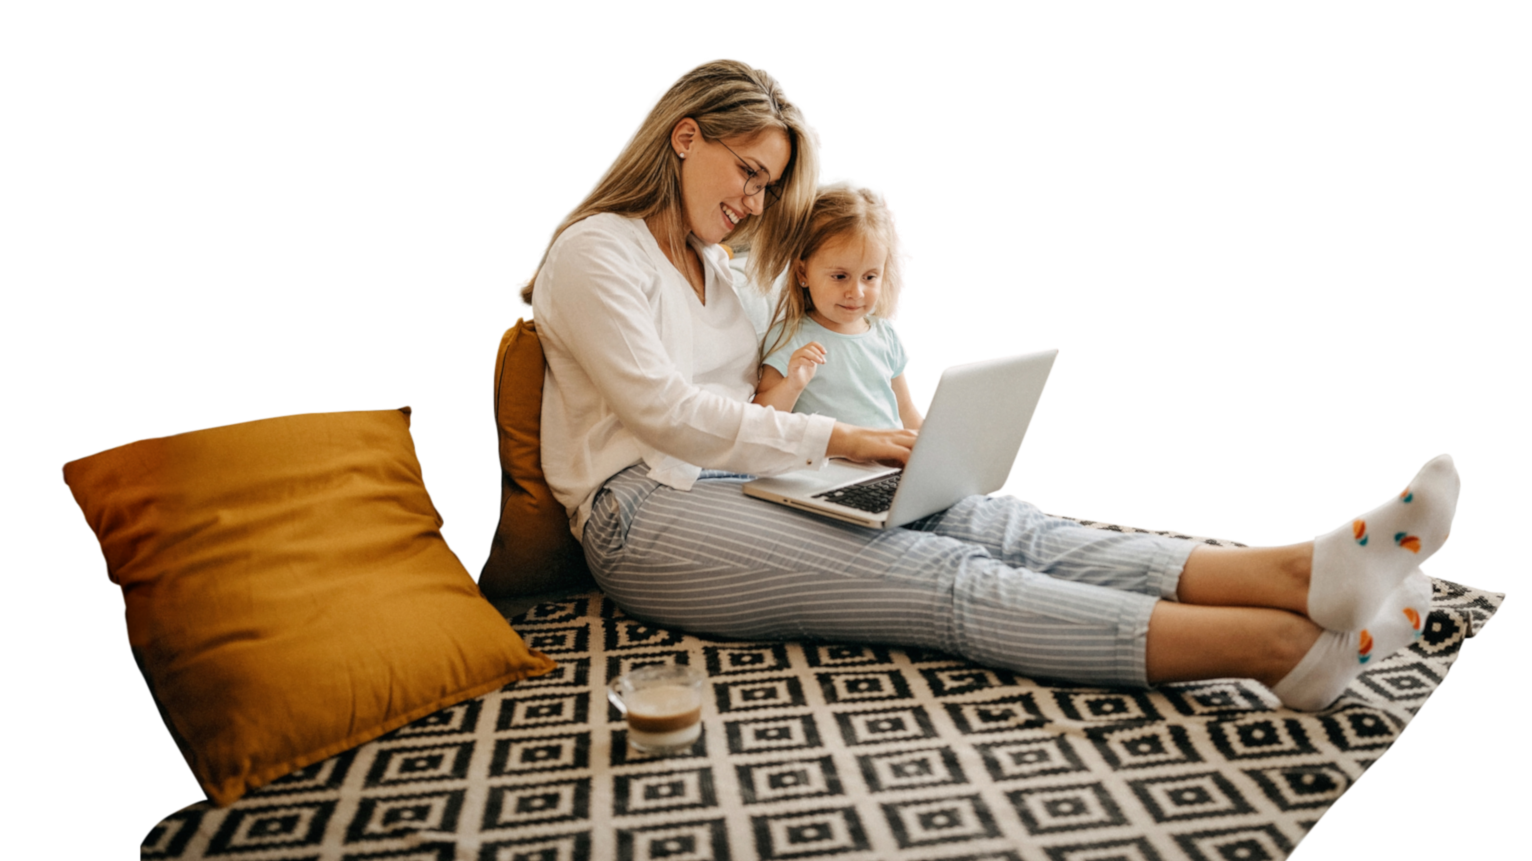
(1143, 89)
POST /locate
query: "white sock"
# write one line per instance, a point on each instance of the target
(1337, 657)
(1355, 567)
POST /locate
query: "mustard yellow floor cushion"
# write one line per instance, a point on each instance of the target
(289, 594)
(533, 550)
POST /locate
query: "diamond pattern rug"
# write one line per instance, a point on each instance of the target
(834, 751)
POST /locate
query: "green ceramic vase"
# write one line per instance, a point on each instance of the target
(887, 92)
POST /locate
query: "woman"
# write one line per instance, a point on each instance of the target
(647, 427)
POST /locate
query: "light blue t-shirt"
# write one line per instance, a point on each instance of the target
(854, 383)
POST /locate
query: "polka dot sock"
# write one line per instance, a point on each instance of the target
(1357, 566)
(1337, 657)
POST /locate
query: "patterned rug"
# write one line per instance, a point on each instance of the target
(831, 751)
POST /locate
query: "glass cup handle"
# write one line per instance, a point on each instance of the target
(616, 699)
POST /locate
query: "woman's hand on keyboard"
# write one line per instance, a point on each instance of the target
(867, 445)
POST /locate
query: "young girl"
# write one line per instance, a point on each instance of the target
(830, 349)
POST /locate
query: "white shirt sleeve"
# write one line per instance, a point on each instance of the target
(618, 343)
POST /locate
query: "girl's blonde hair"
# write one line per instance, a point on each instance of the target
(840, 211)
(727, 99)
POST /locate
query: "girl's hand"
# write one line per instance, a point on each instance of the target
(865, 445)
(781, 392)
(803, 364)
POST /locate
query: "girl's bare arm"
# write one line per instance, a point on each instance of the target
(909, 415)
(781, 392)
(776, 391)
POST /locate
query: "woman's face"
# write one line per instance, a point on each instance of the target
(713, 178)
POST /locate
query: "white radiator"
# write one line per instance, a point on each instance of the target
(1368, 252)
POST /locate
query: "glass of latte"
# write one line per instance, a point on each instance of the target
(662, 704)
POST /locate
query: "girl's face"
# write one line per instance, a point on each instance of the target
(713, 178)
(845, 277)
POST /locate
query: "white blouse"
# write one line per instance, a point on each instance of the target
(640, 371)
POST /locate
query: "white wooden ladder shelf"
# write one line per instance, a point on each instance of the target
(1473, 371)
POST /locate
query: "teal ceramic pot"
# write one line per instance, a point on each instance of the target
(887, 92)
(1007, 80)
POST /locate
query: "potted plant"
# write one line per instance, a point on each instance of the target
(1260, 158)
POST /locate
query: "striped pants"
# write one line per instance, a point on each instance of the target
(992, 578)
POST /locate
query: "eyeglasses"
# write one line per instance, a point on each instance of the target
(755, 182)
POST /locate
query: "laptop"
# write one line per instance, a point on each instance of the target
(966, 446)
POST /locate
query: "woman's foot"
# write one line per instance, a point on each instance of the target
(1338, 657)
(1356, 567)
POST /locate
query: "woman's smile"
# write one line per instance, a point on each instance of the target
(714, 176)
(732, 216)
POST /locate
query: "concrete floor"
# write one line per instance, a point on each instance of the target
(1215, 466)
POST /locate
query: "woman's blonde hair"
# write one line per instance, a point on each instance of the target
(840, 211)
(727, 99)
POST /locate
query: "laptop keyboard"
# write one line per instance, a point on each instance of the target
(874, 495)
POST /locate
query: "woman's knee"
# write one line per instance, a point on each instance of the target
(997, 506)
(995, 522)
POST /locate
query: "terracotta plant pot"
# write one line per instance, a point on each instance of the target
(1276, 353)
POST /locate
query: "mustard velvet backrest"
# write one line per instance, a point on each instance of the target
(533, 550)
